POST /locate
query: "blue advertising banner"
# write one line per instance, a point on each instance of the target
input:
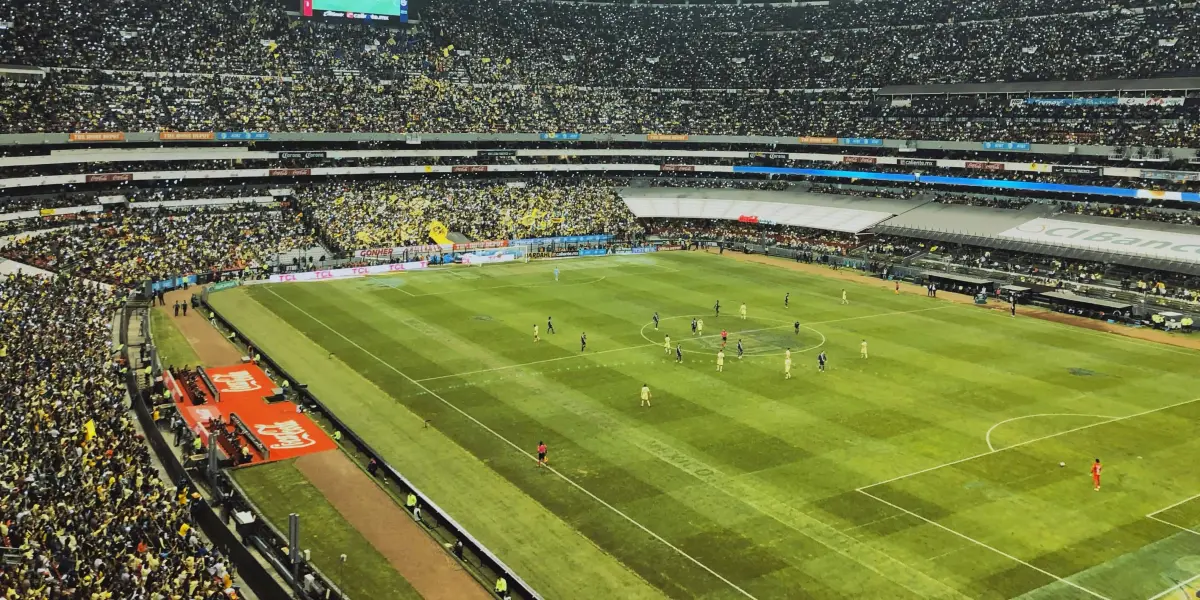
(644, 250)
(170, 284)
(1005, 145)
(860, 141)
(968, 181)
(566, 239)
(593, 252)
(243, 135)
(559, 136)
(1072, 101)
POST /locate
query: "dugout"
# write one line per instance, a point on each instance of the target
(1020, 293)
(962, 284)
(1096, 308)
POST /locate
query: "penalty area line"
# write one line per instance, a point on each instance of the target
(521, 450)
(983, 545)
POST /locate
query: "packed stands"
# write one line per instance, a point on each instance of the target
(654, 69)
(129, 247)
(372, 214)
(84, 505)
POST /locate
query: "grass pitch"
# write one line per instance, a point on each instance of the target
(929, 470)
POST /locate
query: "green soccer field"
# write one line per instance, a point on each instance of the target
(930, 469)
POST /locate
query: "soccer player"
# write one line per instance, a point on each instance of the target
(862, 349)
(821, 362)
(679, 353)
(844, 300)
(583, 341)
(724, 337)
(536, 337)
(787, 368)
(645, 395)
(549, 325)
(693, 325)
(742, 311)
(667, 344)
(720, 360)
(656, 320)
(700, 327)
(556, 273)
(786, 297)
(740, 350)
(796, 326)
(541, 454)
(717, 310)
(1096, 474)
(1012, 308)
(787, 354)
(897, 287)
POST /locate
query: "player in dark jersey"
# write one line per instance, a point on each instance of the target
(786, 297)
(656, 320)
(549, 325)
(582, 342)
(796, 326)
(717, 309)
(740, 349)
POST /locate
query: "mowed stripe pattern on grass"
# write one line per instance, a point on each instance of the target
(746, 472)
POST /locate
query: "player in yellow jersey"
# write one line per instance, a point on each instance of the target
(863, 349)
(742, 311)
(536, 337)
(720, 360)
(645, 395)
(787, 368)
(667, 345)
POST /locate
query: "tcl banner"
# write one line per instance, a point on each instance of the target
(347, 273)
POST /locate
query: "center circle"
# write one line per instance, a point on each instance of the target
(757, 341)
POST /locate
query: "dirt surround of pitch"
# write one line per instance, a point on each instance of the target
(1140, 333)
(415, 556)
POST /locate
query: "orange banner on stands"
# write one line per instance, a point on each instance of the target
(99, 136)
(185, 135)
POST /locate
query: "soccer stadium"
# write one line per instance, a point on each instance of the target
(531, 299)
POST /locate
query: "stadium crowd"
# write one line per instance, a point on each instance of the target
(650, 69)
(82, 505)
(372, 214)
(127, 247)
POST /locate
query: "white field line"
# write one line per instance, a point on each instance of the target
(1175, 525)
(988, 438)
(681, 340)
(1175, 588)
(1027, 442)
(1184, 501)
(511, 285)
(981, 544)
(528, 455)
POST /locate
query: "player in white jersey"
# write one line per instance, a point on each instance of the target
(645, 395)
(787, 368)
(742, 311)
(863, 349)
(720, 360)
